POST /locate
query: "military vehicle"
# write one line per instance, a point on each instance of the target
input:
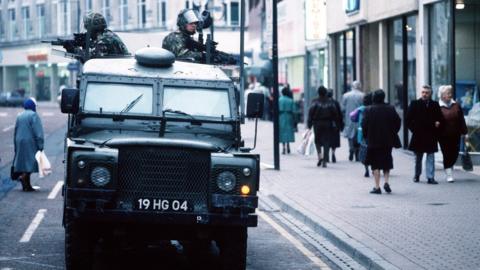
(154, 151)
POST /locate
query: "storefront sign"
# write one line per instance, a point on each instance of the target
(37, 56)
(315, 19)
(352, 6)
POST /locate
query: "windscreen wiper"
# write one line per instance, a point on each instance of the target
(131, 104)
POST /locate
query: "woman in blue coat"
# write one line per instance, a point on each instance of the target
(286, 108)
(28, 139)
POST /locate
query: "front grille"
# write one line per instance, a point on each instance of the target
(163, 173)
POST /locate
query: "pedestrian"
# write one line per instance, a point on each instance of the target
(358, 116)
(286, 109)
(380, 126)
(28, 139)
(350, 101)
(337, 129)
(323, 117)
(454, 127)
(424, 119)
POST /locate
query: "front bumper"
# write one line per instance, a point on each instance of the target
(99, 206)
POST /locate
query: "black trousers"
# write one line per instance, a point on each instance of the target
(450, 146)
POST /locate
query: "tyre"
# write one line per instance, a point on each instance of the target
(233, 248)
(78, 247)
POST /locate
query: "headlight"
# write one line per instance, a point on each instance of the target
(226, 181)
(100, 176)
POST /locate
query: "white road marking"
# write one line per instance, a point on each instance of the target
(266, 165)
(33, 226)
(8, 128)
(294, 241)
(48, 114)
(3, 114)
(55, 190)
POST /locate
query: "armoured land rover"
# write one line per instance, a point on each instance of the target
(154, 151)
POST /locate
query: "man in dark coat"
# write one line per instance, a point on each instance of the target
(380, 126)
(424, 119)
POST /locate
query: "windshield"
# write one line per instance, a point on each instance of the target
(119, 98)
(197, 101)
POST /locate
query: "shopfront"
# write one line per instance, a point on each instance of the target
(454, 40)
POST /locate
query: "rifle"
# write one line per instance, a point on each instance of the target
(75, 47)
(213, 56)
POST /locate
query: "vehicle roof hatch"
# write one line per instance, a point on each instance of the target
(154, 57)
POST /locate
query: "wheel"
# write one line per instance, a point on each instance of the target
(78, 247)
(233, 248)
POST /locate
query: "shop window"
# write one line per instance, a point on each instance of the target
(345, 61)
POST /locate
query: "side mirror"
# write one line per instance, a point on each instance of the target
(70, 100)
(255, 105)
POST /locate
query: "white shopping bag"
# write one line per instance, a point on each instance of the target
(311, 149)
(303, 145)
(44, 167)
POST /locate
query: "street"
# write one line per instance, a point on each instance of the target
(32, 236)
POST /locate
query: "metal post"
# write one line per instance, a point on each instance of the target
(242, 55)
(405, 78)
(276, 127)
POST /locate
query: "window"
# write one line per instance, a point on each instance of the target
(2, 29)
(142, 14)
(106, 10)
(63, 18)
(234, 14)
(161, 12)
(27, 24)
(88, 6)
(123, 14)
(40, 20)
(12, 25)
(119, 98)
(197, 101)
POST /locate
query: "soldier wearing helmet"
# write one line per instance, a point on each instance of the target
(178, 42)
(103, 41)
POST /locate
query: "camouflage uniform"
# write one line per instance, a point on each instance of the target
(107, 43)
(178, 43)
(103, 41)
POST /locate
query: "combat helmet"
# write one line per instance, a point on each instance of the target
(94, 22)
(185, 17)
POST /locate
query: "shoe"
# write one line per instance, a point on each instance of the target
(334, 159)
(356, 156)
(376, 191)
(449, 174)
(319, 162)
(350, 156)
(387, 188)
(432, 181)
(416, 179)
(324, 164)
(283, 151)
(288, 149)
(367, 174)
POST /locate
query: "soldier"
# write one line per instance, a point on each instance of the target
(103, 41)
(179, 42)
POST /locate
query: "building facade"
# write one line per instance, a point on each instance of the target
(27, 63)
(401, 45)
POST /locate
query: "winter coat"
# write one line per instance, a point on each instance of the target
(455, 125)
(324, 119)
(380, 125)
(286, 108)
(28, 139)
(350, 101)
(420, 121)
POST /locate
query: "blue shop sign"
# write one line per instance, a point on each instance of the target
(352, 6)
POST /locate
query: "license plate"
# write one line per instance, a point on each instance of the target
(163, 205)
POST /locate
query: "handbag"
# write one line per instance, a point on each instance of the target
(467, 164)
(362, 153)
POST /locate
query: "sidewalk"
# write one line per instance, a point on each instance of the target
(418, 226)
